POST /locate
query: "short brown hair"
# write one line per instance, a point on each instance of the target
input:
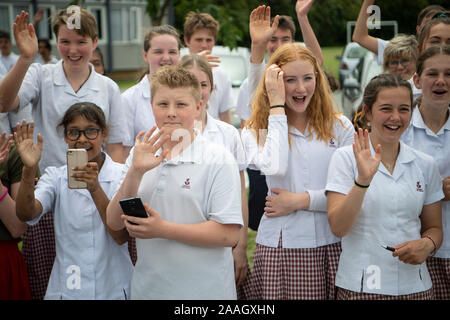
(196, 21)
(175, 77)
(287, 23)
(88, 24)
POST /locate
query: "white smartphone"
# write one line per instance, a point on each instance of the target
(76, 158)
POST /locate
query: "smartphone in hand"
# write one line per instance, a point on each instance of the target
(133, 207)
(76, 158)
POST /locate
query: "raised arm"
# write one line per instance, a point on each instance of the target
(144, 159)
(27, 207)
(302, 8)
(260, 32)
(26, 41)
(361, 32)
(343, 209)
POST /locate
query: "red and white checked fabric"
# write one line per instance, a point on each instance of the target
(439, 269)
(244, 291)
(38, 250)
(344, 294)
(294, 274)
(132, 250)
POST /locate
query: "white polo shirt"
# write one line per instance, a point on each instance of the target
(9, 119)
(47, 89)
(225, 135)
(243, 107)
(89, 264)
(390, 215)
(221, 98)
(139, 109)
(9, 61)
(419, 136)
(199, 185)
(302, 167)
(381, 46)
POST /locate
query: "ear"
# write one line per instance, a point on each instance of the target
(95, 43)
(186, 41)
(144, 56)
(105, 135)
(417, 81)
(367, 112)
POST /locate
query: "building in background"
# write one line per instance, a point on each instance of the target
(121, 24)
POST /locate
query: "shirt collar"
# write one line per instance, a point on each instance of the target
(60, 79)
(144, 86)
(405, 156)
(211, 125)
(417, 121)
(194, 153)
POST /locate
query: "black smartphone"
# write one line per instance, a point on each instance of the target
(133, 207)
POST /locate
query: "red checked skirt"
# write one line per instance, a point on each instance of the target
(344, 294)
(294, 274)
(39, 252)
(13, 273)
(439, 269)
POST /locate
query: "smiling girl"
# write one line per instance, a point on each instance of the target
(290, 137)
(429, 132)
(161, 47)
(381, 193)
(87, 251)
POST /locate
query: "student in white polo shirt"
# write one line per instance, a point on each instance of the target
(191, 191)
(429, 132)
(92, 261)
(200, 34)
(290, 137)
(52, 89)
(384, 201)
(228, 136)
(162, 46)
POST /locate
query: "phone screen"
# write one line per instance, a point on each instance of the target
(133, 207)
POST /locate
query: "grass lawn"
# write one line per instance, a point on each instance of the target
(331, 64)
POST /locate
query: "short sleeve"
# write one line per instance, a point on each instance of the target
(434, 191)
(30, 90)
(46, 191)
(341, 171)
(224, 204)
(381, 46)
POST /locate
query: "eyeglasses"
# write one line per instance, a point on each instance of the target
(75, 134)
(397, 62)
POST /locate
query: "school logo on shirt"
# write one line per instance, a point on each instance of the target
(187, 184)
(332, 143)
(419, 187)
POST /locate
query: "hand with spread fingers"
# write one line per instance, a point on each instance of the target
(25, 37)
(302, 7)
(28, 151)
(260, 29)
(145, 147)
(212, 60)
(367, 164)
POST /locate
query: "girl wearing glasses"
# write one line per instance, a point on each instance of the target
(87, 251)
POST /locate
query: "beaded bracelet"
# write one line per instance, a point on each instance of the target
(4, 194)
